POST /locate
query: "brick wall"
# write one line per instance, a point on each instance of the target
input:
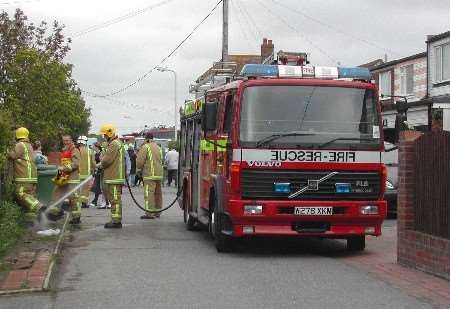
(415, 249)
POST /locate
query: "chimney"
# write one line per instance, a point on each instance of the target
(266, 48)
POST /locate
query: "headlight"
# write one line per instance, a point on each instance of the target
(253, 209)
(389, 185)
(369, 210)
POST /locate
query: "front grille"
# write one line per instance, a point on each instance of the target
(259, 184)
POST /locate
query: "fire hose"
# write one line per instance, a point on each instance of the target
(179, 192)
(82, 183)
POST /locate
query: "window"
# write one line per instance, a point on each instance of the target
(228, 117)
(294, 115)
(442, 63)
(385, 83)
(407, 79)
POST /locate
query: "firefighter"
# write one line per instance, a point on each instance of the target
(25, 175)
(87, 166)
(149, 166)
(113, 165)
(69, 170)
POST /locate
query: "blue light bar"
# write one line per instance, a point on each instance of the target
(342, 187)
(282, 187)
(354, 73)
(259, 70)
(268, 70)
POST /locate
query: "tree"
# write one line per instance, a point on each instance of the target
(44, 98)
(36, 86)
(18, 33)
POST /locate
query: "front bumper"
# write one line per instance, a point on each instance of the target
(276, 220)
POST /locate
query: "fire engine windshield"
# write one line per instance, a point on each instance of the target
(309, 116)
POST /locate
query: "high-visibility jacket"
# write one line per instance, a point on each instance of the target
(72, 167)
(24, 166)
(149, 161)
(113, 163)
(87, 162)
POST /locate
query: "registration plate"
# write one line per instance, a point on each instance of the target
(313, 211)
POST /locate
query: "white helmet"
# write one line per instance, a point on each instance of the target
(82, 140)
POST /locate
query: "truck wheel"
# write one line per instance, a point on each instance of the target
(356, 243)
(224, 243)
(187, 218)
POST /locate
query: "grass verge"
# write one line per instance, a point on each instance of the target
(12, 225)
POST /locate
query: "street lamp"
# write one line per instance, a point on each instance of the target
(165, 69)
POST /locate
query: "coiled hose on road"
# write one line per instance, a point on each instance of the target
(179, 192)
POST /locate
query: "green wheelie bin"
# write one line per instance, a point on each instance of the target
(45, 184)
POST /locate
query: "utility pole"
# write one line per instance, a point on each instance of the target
(225, 31)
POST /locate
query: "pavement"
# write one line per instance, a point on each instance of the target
(158, 264)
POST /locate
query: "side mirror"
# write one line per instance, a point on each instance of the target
(400, 125)
(209, 118)
(391, 149)
(401, 106)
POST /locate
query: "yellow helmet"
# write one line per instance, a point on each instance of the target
(108, 130)
(22, 133)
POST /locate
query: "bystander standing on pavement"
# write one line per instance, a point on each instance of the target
(132, 174)
(97, 185)
(171, 161)
(39, 158)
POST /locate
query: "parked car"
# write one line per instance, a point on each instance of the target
(390, 159)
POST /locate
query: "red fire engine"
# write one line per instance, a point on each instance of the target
(285, 150)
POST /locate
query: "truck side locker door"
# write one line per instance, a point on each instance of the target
(207, 163)
(195, 164)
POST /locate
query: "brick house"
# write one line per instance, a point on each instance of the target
(438, 47)
(403, 77)
(232, 65)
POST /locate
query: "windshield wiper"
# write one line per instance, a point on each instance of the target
(273, 137)
(346, 139)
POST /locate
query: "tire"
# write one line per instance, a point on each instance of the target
(356, 243)
(187, 218)
(224, 243)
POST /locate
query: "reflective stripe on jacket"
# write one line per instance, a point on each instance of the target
(149, 161)
(24, 165)
(113, 163)
(87, 162)
(72, 168)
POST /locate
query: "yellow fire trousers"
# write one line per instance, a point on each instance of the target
(74, 199)
(84, 193)
(114, 193)
(26, 197)
(152, 197)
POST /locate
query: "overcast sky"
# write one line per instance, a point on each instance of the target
(350, 32)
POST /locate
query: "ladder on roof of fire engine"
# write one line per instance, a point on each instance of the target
(217, 75)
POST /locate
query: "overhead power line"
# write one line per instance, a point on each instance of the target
(118, 19)
(146, 74)
(289, 25)
(241, 25)
(318, 21)
(18, 2)
(251, 21)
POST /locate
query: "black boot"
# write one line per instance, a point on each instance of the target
(113, 225)
(144, 217)
(55, 215)
(84, 205)
(65, 205)
(75, 220)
